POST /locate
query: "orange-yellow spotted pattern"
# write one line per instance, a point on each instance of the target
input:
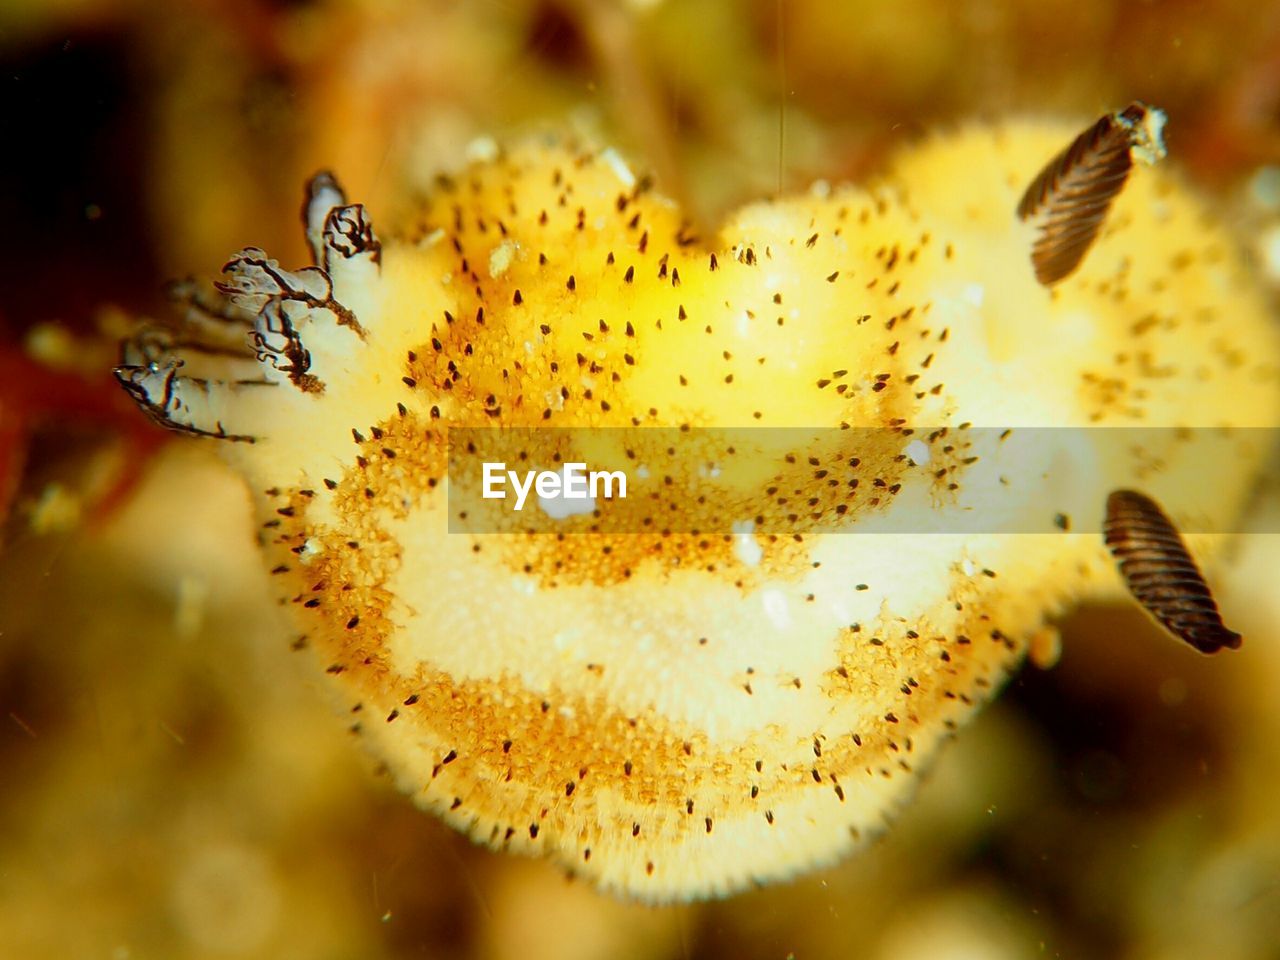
(675, 714)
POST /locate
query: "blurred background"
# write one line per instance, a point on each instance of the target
(173, 780)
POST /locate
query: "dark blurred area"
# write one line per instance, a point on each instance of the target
(176, 784)
(72, 179)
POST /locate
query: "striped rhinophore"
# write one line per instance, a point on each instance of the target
(1161, 574)
(1071, 196)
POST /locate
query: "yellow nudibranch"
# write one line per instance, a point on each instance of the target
(681, 713)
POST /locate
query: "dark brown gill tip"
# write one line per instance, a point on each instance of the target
(1160, 573)
(1071, 196)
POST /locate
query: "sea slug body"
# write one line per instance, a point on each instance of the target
(684, 709)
